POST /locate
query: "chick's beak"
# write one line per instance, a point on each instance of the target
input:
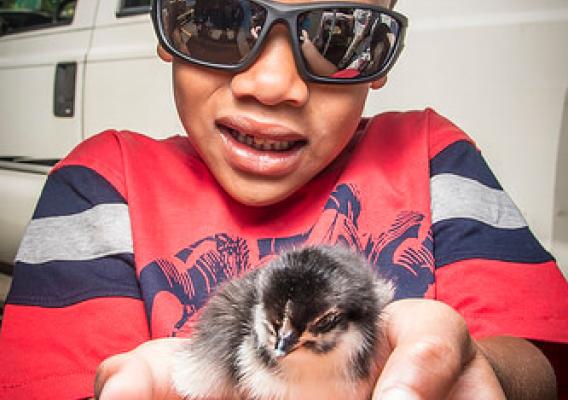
(286, 342)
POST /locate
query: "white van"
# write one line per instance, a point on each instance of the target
(71, 68)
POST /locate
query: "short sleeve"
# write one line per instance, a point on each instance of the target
(75, 298)
(488, 264)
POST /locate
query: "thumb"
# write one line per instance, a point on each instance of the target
(141, 374)
(123, 378)
(429, 348)
(424, 370)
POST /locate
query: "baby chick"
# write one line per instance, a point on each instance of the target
(304, 327)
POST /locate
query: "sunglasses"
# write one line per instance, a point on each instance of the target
(332, 42)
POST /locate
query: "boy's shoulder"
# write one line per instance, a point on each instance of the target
(118, 143)
(112, 152)
(398, 128)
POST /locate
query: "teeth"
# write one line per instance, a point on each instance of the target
(262, 144)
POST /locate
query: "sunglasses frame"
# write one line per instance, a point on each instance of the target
(288, 14)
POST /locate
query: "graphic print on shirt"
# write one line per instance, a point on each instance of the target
(180, 286)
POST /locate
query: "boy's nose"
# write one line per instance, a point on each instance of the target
(273, 78)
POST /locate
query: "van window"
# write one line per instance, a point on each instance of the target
(23, 15)
(133, 7)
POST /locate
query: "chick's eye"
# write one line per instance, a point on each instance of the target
(327, 323)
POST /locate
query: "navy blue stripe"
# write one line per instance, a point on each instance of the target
(63, 283)
(462, 158)
(461, 239)
(81, 188)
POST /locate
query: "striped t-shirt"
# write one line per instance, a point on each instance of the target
(131, 235)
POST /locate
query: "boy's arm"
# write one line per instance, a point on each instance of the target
(75, 298)
(488, 265)
(520, 366)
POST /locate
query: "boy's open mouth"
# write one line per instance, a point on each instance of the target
(261, 141)
(261, 144)
(260, 148)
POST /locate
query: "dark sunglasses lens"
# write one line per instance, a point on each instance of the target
(347, 43)
(214, 31)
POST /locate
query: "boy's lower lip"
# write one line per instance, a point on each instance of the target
(268, 163)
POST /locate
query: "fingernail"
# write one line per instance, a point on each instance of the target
(398, 393)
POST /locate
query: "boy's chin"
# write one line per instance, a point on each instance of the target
(258, 200)
(259, 194)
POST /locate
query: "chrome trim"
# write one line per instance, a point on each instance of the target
(25, 167)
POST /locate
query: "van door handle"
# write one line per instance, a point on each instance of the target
(64, 89)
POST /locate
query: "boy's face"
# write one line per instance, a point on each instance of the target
(265, 132)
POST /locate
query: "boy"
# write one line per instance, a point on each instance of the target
(131, 235)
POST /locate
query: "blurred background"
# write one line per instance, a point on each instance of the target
(498, 69)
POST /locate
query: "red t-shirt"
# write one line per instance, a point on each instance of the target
(132, 234)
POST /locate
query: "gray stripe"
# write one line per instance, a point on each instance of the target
(454, 196)
(97, 232)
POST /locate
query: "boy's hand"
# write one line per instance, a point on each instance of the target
(430, 355)
(141, 374)
(427, 347)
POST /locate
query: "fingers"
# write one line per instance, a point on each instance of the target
(123, 377)
(431, 348)
(141, 374)
(104, 371)
(426, 369)
(477, 382)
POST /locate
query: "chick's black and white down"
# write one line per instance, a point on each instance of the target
(304, 327)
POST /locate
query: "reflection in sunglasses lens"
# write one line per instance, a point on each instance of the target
(347, 42)
(216, 31)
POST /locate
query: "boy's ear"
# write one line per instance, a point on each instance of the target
(163, 54)
(379, 83)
